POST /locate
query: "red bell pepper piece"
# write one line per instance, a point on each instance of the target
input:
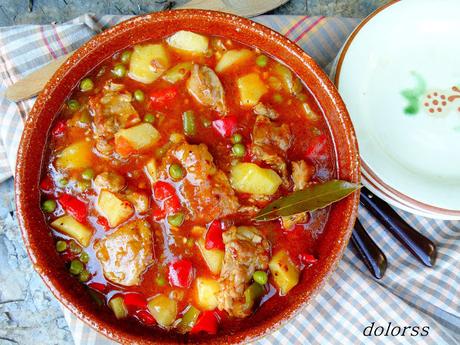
(146, 317)
(207, 322)
(307, 259)
(161, 98)
(46, 185)
(213, 238)
(317, 147)
(135, 300)
(225, 126)
(97, 286)
(103, 222)
(59, 128)
(74, 206)
(158, 214)
(180, 273)
(163, 190)
(172, 204)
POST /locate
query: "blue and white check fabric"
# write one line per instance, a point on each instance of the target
(409, 294)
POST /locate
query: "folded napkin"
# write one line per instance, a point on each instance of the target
(410, 295)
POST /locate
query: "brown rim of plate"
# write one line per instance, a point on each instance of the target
(365, 168)
(41, 250)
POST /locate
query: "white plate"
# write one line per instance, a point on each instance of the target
(399, 75)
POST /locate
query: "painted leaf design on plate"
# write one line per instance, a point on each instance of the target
(311, 198)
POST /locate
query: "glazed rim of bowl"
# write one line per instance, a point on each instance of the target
(435, 211)
(36, 234)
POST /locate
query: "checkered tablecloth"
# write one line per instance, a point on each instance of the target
(409, 294)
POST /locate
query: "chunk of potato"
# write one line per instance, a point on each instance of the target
(252, 179)
(178, 72)
(232, 58)
(73, 228)
(139, 200)
(284, 271)
(213, 257)
(163, 309)
(118, 307)
(136, 138)
(289, 81)
(189, 42)
(113, 208)
(207, 291)
(251, 88)
(75, 156)
(151, 169)
(148, 62)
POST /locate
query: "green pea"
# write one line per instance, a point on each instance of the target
(238, 150)
(74, 248)
(61, 246)
(125, 56)
(73, 105)
(176, 219)
(84, 257)
(119, 71)
(88, 174)
(139, 95)
(76, 267)
(260, 277)
(49, 206)
(63, 182)
(277, 98)
(188, 120)
(176, 171)
(160, 280)
(84, 276)
(149, 118)
(86, 85)
(85, 117)
(237, 138)
(261, 61)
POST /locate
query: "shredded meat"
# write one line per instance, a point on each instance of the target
(301, 175)
(205, 188)
(206, 88)
(112, 110)
(246, 250)
(125, 254)
(262, 109)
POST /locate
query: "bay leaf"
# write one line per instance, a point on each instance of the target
(311, 198)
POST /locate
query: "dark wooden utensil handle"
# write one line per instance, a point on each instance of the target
(420, 246)
(369, 251)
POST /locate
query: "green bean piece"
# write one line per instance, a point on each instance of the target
(119, 70)
(139, 95)
(125, 56)
(176, 171)
(237, 138)
(176, 219)
(149, 118)
(84, 257)
(86, 85)
(61, 246)
(73, 105)
(260, 277)
(277, 98)
(160, 280)
(74, 247)
(88, 174)
(261, 61)
(188, 120)
(49, 206)
(76, 267)
(188, 320)
(253, 293)
(238, 150)
(84, 276)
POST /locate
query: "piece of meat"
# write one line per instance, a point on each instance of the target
(125, 254)
(265, 132)
(301, 175)
(246, 250)
(110, 180)
(204, 85)
(263, 110)
(206, 189)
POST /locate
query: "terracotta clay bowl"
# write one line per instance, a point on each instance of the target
(38, 238)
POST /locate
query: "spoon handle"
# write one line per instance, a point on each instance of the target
(420, 246)
(370, 252)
